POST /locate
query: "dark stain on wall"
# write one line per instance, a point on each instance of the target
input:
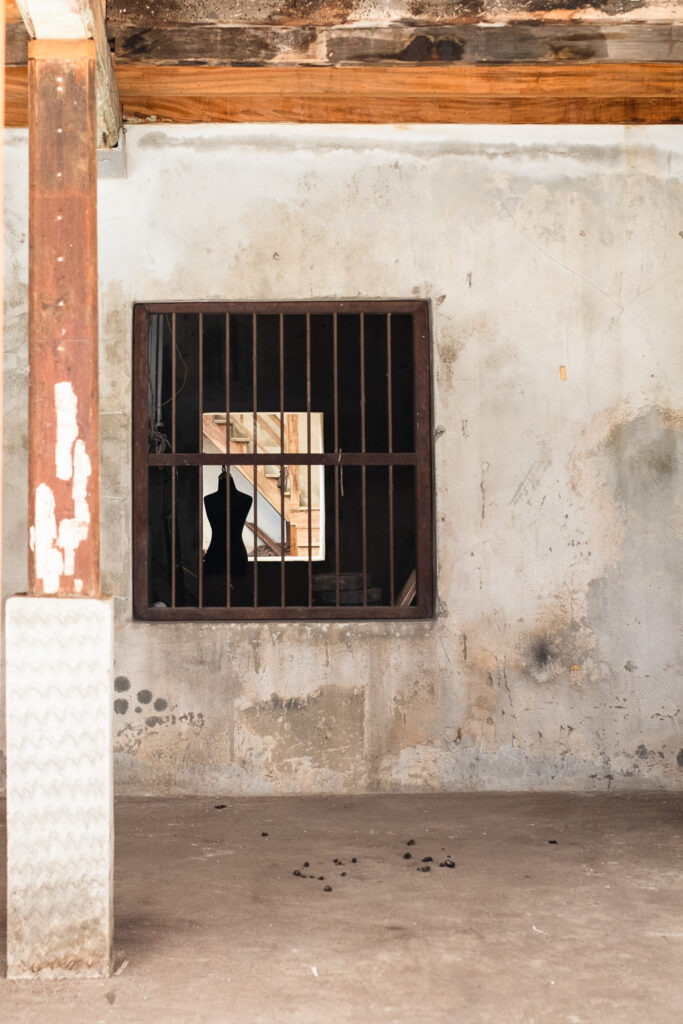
(679, 759)
(160, 704)
(145, 696)
(121, 684)
(542, 652)
(120, 706)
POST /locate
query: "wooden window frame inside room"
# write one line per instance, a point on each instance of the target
(399, 604)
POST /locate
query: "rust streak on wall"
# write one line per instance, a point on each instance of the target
(63, 412)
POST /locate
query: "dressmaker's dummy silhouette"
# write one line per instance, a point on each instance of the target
(216, 556)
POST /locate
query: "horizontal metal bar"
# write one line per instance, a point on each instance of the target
(285, 459)
(249, 613)
(293, 308)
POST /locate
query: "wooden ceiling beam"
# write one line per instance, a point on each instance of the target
(396, 43)
(80, 19)
(515, 94)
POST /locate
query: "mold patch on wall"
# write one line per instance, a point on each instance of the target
(321, 731)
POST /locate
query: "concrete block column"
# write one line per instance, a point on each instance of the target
(59, 654)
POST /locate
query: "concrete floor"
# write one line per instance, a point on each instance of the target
(560, 908)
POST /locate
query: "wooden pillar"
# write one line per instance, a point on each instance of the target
(63, 409)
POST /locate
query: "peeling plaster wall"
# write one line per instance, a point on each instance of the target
(555, 659)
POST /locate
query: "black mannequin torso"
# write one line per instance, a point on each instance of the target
(215, 505)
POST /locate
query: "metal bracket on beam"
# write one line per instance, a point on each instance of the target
(112, 162)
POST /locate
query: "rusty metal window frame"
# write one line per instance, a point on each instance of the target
(420, 459)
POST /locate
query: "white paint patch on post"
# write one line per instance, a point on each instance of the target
(49, 560)
(73, 531)
(81, 471)
(66, 406)
(55, 547)
(59, 787)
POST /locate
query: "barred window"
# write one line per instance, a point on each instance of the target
(282, 461)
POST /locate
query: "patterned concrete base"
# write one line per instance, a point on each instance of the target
(59, 787)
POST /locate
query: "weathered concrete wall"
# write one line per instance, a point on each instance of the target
(554, 661)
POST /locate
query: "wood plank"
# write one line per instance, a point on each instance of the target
(460, 94)
(335, 12)
(217, 45)
(63, 337)
(341, 109)
(426, 83)
(397, 43)
(16, 44)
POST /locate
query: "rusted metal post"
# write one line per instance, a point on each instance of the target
(64, 537)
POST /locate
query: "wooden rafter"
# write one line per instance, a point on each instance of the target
(632, 93)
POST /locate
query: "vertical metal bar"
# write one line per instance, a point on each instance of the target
(283, 468)
(174, 469)
(308, 451)
(423, 487)
(141, 524)
(173, 380)
(254, 379)
(390, 446)
(227, 461)
(335, 372)
(200, 468)
(363, 472)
